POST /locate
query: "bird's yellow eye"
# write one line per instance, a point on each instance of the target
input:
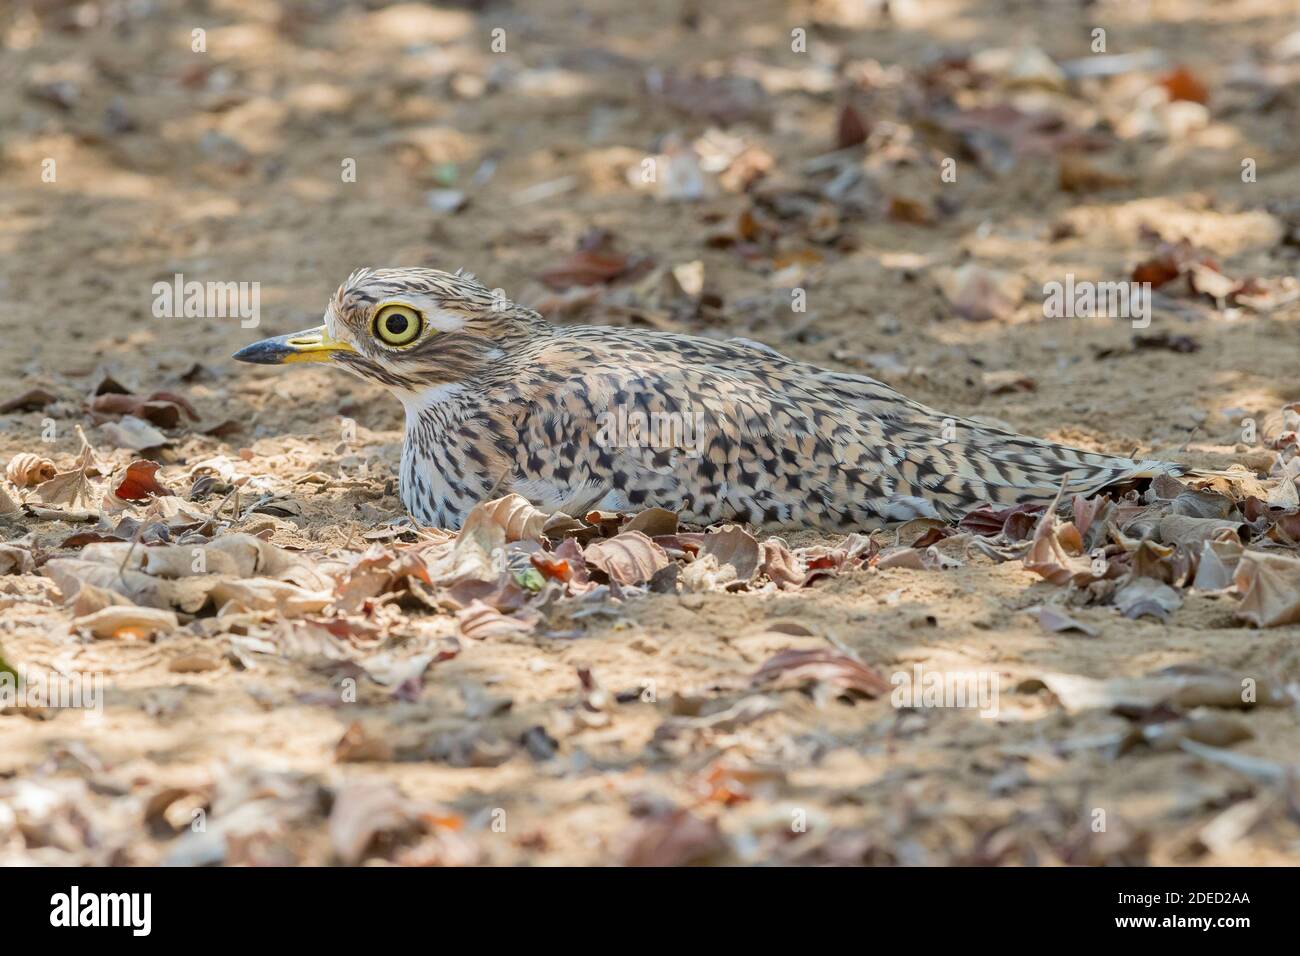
(397, 325)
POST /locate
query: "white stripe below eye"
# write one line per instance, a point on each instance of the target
(442, 320)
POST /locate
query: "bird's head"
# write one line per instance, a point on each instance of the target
(407, 329)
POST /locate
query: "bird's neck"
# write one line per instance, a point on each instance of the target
(436, 483)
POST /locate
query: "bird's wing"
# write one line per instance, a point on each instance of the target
(957, 463)
(770, 439)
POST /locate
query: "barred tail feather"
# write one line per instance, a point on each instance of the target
(988, 465)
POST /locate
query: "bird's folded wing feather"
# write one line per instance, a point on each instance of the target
(780, 436)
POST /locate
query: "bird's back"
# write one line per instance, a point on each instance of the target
(621, 418)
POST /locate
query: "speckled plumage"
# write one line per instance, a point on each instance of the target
(499, 400)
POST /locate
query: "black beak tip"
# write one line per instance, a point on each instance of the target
(265, 352)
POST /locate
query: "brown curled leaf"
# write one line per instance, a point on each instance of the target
(628, 558)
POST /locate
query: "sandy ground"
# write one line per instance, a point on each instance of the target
(241, 742)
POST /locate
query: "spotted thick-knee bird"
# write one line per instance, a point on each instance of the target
(576, 418)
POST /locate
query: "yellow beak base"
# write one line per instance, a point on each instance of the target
(309, 345)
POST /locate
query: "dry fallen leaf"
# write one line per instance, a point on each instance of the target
(133, 433)
(360, 745)
(567, 564)
(729, 782)
(1270, 588)
(71, 488)
(480, 621)
(747, 168)
(1077, 174)
(1210, 282)
(182, 576)
(28, 401)
(1171, 260)
(72, 575)
(850, 128)
(905, 209)
(595, 262)
(170, 810)
(1053, 619)
(15, 560)
(586, 269)
(26, 469)
(628, 558)
(1141, 596)
(981, 294)
(1217, 564)
(1156, 271)
(138, 482)
(781, 565)
(1189, 532)
(90, 599)
(516, 516)
(1284, 496)
(731, 546)
(800, 669)
(706, 574)
(1188, 501)
(128, 621)
(676, 838)
(163, 409)
(1007, 381)
(194, 663)
(913, 558)
(377, 571)
(1202, 725)
(1182, 687)
(1016, 522)
(1053, 553)
(474, 552)
(653, 522)
(239, 555)
(266, 594)
(1182, 84)
(364, 810)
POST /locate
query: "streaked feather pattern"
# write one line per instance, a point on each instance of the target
(508, 402)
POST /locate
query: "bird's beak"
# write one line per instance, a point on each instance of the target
(310, 345)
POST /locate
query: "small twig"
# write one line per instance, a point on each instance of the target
(216, 514)
(121, 568)
(843, 648)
